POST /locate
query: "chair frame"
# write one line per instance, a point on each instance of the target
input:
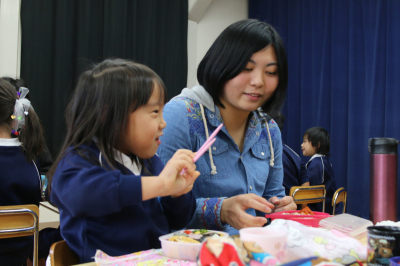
(300, 193)
(62, 255)
(25, 226)
(340, 195)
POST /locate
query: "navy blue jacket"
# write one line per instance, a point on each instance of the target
(320, 172)
(103, 209)
(294, 173)
(20, 184)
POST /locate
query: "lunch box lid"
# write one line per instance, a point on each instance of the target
(348, 224)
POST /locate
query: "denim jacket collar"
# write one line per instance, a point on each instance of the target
(253, 131)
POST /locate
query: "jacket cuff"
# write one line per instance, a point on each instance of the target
(209, 213)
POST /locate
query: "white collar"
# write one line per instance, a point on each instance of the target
(126, 161)
(10, 142)
(316, 156)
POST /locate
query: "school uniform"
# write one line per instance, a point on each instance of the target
(320, 172)
(293, 172)
(102, 208)
(20, 184)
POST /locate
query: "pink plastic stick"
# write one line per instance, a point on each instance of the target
(205, 146)
(203, 149)
(212, 135)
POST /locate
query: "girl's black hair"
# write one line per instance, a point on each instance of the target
(99, 110)
(31, 134)
(230, 53)
(319, 138)
(17, 83)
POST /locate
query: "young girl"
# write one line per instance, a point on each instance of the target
(242, 174)
(107, 177)
(44, 158)
(316, 143)
(19, 176)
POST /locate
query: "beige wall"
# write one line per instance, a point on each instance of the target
(207, 19)
(10, 38)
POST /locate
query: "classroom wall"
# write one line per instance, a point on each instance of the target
(207, 19)
(10, 38)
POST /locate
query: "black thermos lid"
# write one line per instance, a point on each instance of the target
(382, 145)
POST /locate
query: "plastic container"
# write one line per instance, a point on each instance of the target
(385, 241)
(347, 224)
(180, 250)
(271, 240)
(308, 220)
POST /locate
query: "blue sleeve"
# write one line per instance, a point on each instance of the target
(303, 178)
(314, 172)
(177, 135)
(178, 211)
(274, 185)
(84, 189)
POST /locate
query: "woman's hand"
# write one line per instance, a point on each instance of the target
(233, 210)
(175, 183)
(284, 204)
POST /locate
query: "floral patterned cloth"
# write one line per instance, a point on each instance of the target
(151, 257)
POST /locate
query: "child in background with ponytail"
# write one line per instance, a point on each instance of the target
(19, 176)
(107, 179)
(45, 159)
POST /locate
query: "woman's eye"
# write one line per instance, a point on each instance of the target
(155, 111)
(248, 69)
(271, 73)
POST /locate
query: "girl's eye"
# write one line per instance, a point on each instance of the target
(155, 111)
(248, 69)
(271, 73)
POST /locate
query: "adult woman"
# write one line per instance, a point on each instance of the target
(242, 174)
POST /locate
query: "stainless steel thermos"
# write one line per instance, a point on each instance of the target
(383, 179)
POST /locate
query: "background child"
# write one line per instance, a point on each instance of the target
(45, 159)
(107, 177)
(316, 143)
(19, 176)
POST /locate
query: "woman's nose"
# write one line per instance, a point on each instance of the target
(257, 79)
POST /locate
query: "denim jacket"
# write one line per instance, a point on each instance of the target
(237, 172)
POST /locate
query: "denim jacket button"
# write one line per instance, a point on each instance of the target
(212, 116)
(214, 148)
(262, 153)
(251, 188)
(257, 133)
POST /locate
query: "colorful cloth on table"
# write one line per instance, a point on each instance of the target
(151, 257)
(306, 241)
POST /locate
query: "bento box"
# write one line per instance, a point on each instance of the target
(186, 250)
(308, 220)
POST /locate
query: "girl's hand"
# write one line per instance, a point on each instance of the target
(176, 184)
(233, 210)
